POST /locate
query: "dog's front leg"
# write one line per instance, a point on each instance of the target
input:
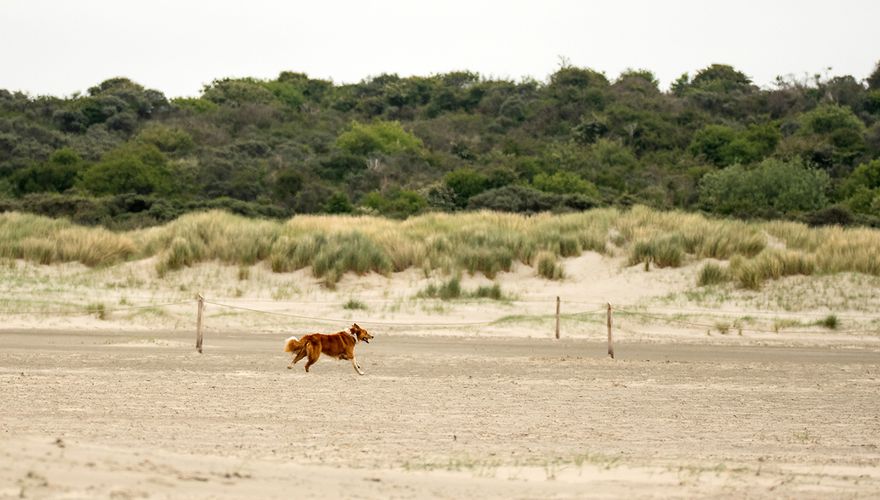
(356, 366)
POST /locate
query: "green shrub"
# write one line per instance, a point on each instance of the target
(712, 274)
(830, 322)
(773, 187)
(378, 137)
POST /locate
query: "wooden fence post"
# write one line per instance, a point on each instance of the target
(557, 318)
(199, 322)
(610, 345)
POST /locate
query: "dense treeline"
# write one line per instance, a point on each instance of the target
(125, 156)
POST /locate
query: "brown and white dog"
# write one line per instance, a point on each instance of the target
(338, 345)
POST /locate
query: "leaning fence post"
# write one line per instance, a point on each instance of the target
(557, 318)
(610, 345)
(199, 322)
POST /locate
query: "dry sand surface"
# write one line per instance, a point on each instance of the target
(109, 414)
(714, 392)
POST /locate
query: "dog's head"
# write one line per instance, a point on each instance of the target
(360, 334)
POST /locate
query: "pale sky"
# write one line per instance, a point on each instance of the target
(177, 46)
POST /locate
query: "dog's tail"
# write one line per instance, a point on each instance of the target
(292, 344)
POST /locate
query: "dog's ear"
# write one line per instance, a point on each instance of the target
(355, 327)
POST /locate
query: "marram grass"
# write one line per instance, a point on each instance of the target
(473, 242)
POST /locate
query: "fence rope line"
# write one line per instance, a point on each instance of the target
(340, 320)
(739, 328)
(549, 300)
(667, 318)
(381, 323)
(710, 312)
(88, 312)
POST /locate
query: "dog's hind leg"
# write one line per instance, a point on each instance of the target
(299, 355)
(314, 352)
(356, 366)
(293, 360)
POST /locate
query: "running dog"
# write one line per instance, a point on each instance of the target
(338, 345)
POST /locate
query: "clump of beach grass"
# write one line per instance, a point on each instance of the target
(770, 264)
(547, 264)
(712, 274)
(451, 289)
(489, 292)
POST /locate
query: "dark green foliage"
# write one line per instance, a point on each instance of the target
(874, 79)
(724, 146)
(833, 215)
(338, 203)
(524, 199)
(130, 169)
(832, 138)
(772, 188)
(465, 183)
(56, 175)
(399, 203)
(398, 146)
(564, 183)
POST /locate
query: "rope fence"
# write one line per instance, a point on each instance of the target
(741, 321)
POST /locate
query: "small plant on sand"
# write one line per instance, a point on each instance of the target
(98, 309)
(489, 292)
(448, 290)
(779, 324)
(244, 273)
(452, 290)
(354, 304)
(722, 327)
(830, 322)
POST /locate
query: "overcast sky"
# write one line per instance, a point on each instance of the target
(60, 47)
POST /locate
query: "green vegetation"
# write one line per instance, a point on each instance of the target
(548, 265)
(447, 290)
(473, 242)
(830, 322)
(354, 304)
(98, 309)
(125, 157)
(712, 274)
(451, 289)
